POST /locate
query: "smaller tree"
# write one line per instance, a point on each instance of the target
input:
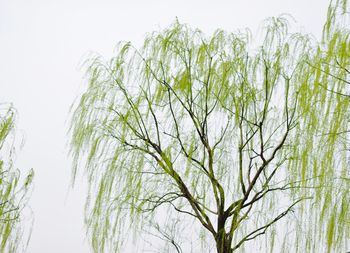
(13, 193)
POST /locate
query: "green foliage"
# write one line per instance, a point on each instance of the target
(13, 195)
(204, 128)
(326, 125)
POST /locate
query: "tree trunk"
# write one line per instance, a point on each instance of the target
(224, 250)
(223, 243)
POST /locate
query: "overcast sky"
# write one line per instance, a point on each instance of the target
(42, 44)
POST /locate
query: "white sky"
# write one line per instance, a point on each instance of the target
(42, 43)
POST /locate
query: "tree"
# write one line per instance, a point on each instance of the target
(328, 120)
(13, 195)
(217, 135)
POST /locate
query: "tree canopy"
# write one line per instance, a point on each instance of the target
(221, 141)
(13, 194)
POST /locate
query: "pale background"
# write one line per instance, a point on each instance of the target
(42, 45)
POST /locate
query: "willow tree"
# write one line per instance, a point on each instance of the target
(326, 122)
(206, 143)
(13, 190)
